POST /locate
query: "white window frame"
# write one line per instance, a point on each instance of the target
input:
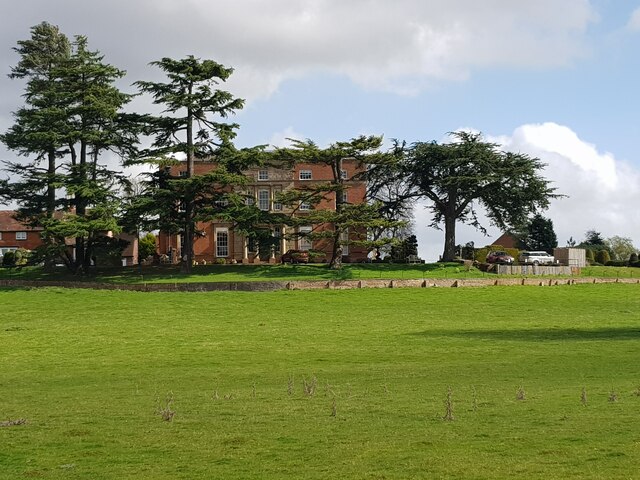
(305, 175)
(183, 174)
(222, 249)
(343, 174)
(264, 200)
(21, 235)
(263, 175)
(305, 243)
(304, 207)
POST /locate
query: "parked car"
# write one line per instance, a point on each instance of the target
(500, 257)
(295, 256)
(536, 258)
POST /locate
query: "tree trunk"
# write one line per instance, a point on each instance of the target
(187, 257)
(51, 189)
(449, 253)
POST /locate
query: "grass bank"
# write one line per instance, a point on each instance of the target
(247, 273)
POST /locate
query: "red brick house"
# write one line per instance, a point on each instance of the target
(220, 242)
(14, 235)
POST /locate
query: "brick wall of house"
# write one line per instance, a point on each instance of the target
(266, 182)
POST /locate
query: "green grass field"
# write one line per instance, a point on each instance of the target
(92, 371)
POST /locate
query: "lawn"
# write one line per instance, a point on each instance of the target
(321, 384)
(247, 273)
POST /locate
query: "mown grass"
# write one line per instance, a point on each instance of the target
(90, 372)
(245, 273)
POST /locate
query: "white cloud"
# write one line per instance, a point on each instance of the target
(399, 46)
(602, 192)
(634, 20)
(281, 139)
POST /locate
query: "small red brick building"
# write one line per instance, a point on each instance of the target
(15, 235)
(219, 241)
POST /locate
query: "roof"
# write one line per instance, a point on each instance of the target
(10, 224)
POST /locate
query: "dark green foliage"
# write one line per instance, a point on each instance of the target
(592, 239)
(9, 259)
(617, 263)
(192, 104)
(407, 247)
(602, 257)
(72, 117)
(590, 257)
(457, 177)
(538, 234)
(350, 222)
(146, 246)
(633, 258)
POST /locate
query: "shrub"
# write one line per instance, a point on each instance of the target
(635, 264)
(616, 263)
(9, 259)
(633, 258)
(589, 256)
(603, 257)
(317, 256)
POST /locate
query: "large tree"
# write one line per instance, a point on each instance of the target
(621, 248)
(351, 220)
(73, 117)
(190, 129)
(39, 131)
(457, 177)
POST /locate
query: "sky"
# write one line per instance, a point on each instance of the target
(557, 80)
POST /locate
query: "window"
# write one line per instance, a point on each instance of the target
(344, 241)
(222, 242)
(263, 175)
(304, 206)
(305, 175)
(343, 174)
(276, 204)
(183, 174)
(250, 198)
(276, 233)
(0, 235)
(345, 197)
(263, 200)
(304, 242)
(21, 235)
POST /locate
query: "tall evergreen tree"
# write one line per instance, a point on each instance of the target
(190, 128)
(39, 129)
(350, 221)
(538, 234)
(73, 118)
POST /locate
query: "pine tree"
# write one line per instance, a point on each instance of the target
(192, 104)
(72, 117)
(40, 125)
(350, 221)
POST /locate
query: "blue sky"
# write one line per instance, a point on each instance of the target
(554, 79)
